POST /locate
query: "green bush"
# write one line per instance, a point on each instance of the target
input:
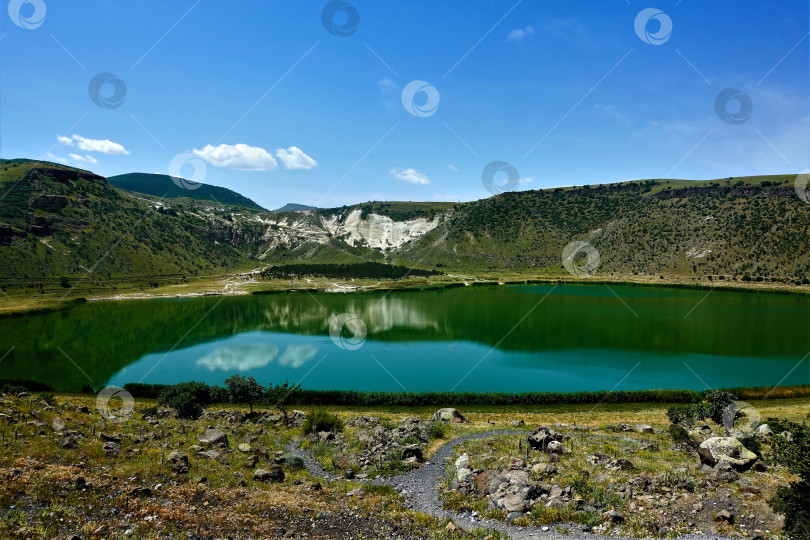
(244, 390)
(189, 398)
(437, 430)
(794, 453)
(49, 399)
(716, 402)
(320, 420)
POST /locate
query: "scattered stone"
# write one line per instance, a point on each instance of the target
(463, 467)
(597, 459)
(176, 456)
(111, 449)
(724, 516)
(450, 527)
(412, 451)
(763, 431)
(276, 474)
(644, 428)
(210, 454)
(724, 472)
(244, 447)
(555, 447)
(729, 449)
(622, 465)
(517, 423)
(82, 410)
(326, 436)
(540, 438)
(348, 474)
(614, 516)
(214, 437)
(448, 414)
(69, 442)
(58, 424)
(110, 438)
(141, 492)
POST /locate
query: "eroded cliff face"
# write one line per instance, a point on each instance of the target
(375, 231)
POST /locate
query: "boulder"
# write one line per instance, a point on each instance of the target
(210, 454)
(540, 438)
(69, 442)
(729, 449)
(58, 424)
(412, 451)
(214, 437)
(515, 502)
(276, 474)
(448, 414)
(724, 516)
(644, 428)
(463, 467)
(621, 465)
(763, 431)
(487, 482)
(325, 436)
(555, 447)
(244, 447)
(597, 459)
(614, 516)
(724, 472)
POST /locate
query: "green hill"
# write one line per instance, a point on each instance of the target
(163, 186)
(60, 221)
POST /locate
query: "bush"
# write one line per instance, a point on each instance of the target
(188, 399)
(318, 421)
(437, 430)
(795, 455)
(716, 402)
(49, 399)
(244, 390)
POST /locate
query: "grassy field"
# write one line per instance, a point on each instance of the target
(97, 489)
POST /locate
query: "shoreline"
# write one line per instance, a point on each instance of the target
(20, 305)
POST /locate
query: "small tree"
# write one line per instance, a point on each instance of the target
(279, 396)
(244, 390)
(794, 453)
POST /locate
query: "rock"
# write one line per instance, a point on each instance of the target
(517, 423)
(678, 432)
(176, 456)
(244, 447)
(555, 447)
(597, 459)
(111, 448)
(448, 414)
(110, 438)
(82, 410)
(544, 469)
(724, 516)
(210, 454)
(348, 474)
(412, 451)
(763, 431)
(487, 482)
(194, 448)
(644, 428)
(214, 437)
(58, 424)
(540, 438)
(715, 449)
(325, 436)
(724, 472)
(141, 492)
(622, 465)
(614, 516)
(513, 503)
(276, 474)
(69, 442)
(463, 467)
(450, 527)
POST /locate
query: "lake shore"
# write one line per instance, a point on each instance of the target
(16, 301)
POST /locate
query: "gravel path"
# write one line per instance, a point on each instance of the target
(420, 487)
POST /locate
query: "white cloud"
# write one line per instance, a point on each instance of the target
(516, 36)
(84, 159)
(294, 158)
(387, 86)
(238, 156)
(102, 146)
(54, 157)
(452, 167)
(410, 175)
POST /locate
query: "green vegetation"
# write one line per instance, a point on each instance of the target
(713, 408)
(321, 420)
(244, 390)
(793, 451)
(372, 270)
(161, 185)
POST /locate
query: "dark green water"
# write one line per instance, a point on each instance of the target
(507, 339)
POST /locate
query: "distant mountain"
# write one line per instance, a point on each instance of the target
(60, 221)
(292, 207)
(161, 185)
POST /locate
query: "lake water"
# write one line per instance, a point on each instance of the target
(514, 338)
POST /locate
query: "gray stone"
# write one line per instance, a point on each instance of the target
(644, 428)
(214, 437)
(210, 454)
(276, 474)
(729, 449)
(724, 472)
(448, 414)
(540, 438)
(614, 516)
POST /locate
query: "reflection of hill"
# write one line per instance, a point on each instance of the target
(102, 338)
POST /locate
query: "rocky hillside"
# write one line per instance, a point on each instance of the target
(753, 228)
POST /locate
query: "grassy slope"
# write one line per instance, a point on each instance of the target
(638, 227)
(60, 221)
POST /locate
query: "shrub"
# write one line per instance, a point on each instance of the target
(320, 420)
(794, 453)
(718, 400)
(188, 399)
(244, 390)
(437, 430)
(49, 399)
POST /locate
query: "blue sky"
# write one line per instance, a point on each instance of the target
(568, 93)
